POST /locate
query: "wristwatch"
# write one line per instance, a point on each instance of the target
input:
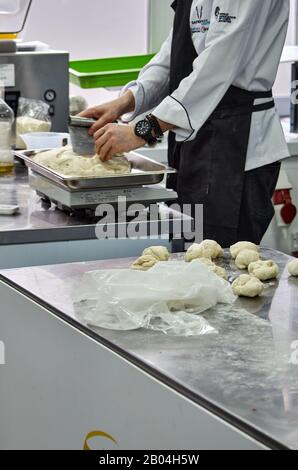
(143, 129)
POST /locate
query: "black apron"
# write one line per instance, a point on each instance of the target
(211, 168)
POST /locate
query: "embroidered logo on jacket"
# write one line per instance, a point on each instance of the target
(223, 17)
(200, 24)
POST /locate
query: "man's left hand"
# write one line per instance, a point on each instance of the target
(116, 138)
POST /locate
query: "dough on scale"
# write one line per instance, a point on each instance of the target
(161, 253)
(213, 249)
(245, 258)
(144, 263)
(68, 163)
(247, 286)
(293, 268)
(219, 271)
(240, 246)
(264, 270)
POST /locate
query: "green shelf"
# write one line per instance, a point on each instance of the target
(107, 73)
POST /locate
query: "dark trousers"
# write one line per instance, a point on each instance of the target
(256, 212)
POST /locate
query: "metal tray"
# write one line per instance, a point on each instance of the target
(144, 172)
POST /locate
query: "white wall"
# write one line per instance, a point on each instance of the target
(90, 28)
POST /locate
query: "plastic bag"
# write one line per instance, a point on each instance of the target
(33, 116)
(168, 298)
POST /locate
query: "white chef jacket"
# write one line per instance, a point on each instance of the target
(239, 42)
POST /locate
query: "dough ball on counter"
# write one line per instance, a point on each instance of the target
(197, 251)
(213, 249)
(160, 253)
(144, 263)
(247, 286)
(221, 272)
(264, 270)
(245, 258)
(293, 268)
(240, 246)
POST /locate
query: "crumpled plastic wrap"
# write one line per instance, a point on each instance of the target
(167, 298)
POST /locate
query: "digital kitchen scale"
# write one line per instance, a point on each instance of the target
(87, 201)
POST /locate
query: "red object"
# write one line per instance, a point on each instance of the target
(283, 198)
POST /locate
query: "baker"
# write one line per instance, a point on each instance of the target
(211, 87)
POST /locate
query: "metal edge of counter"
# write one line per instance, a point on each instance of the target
(63, 234)
(234, 421)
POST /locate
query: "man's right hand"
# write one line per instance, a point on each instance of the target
(110, 112)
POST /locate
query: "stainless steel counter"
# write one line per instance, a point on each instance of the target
(36, 224)
(246, 374)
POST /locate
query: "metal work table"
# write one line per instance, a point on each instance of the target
(243, 376)
(55, 236)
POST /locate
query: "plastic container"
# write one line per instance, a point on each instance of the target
(107, 73)
(13, 16)
(6, 123)
(45, 140)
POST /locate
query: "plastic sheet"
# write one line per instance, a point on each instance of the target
(167, 298)
(33, 116)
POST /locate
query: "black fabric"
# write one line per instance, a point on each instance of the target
(183, 51)
(183, 55)
(256, 209)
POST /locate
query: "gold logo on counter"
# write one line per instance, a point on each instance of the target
(100, 434)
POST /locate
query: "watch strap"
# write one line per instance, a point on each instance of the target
(155, 125)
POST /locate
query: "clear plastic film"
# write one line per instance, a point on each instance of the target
(33, 116)
(169, 298)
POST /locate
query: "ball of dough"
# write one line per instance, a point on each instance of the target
(247, 286)
(214, 249)
(240, 246)
(197, 251)
(161, 253)
(293, 268)
(144, 263)
(221, 272)
(245, 258)
(264, 270)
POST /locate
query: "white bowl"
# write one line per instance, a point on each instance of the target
(44, 140)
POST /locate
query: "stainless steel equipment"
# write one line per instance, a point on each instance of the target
(233, 390)
(75, 193)
(31, 73)
(41, 76)
(82, 142)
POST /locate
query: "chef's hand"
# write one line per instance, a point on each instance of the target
(116, 138)
(109, 112)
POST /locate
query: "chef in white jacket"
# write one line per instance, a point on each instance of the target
(211, 87)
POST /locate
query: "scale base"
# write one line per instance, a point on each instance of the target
(88, 201)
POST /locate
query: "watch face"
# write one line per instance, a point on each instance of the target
(143, 128)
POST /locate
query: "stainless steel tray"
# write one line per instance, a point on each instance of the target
(144, 172)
